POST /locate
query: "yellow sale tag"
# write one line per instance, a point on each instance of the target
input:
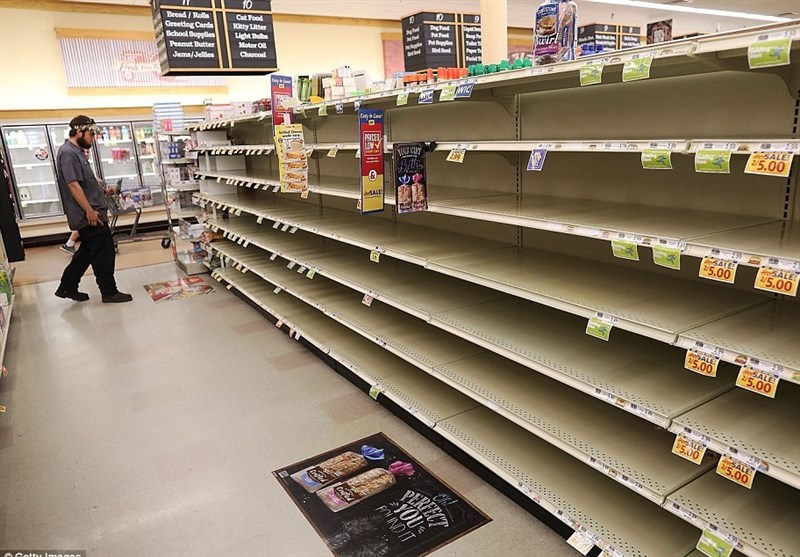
(736, 471)
(769, 164)
(304, 194)
(758, 381)
(776, 280)
(698, 362)
(2, 409)
(688, 448)
(375, 256)
(333, 152)
(715, 268)
(456, 155)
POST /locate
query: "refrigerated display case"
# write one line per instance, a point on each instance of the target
(119, 162)
(60, 133)
(31, 162)
(146, 151)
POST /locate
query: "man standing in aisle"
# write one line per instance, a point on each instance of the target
(87, 213)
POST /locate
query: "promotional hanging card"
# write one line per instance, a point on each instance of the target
(292, 160)
(411, 178)
(281, 94)
(370, 497)
(373, 192)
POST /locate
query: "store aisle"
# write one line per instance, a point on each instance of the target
(152, 429)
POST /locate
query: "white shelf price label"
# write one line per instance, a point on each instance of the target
(580, 542)
(691, 449)
(273, 257)
(340, 107)
(275, 189)
(285, 227)
(277, 290)
(737, 471)
(778, 279)
(302, 269)
(524, 489)
(276, 224)
(259, 220)
(755, 378)
(701, 362)
(367, 300)
(333, 151)
(293, 230)
(457, 154)
(291, 265)
(357, 105)
(600, 326)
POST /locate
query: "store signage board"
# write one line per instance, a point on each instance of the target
(370, 497)
(373, 191)
(215, 37)
(437, 39)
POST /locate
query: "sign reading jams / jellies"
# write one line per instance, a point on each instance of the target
(207, 37)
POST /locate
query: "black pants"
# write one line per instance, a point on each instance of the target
(97, 250)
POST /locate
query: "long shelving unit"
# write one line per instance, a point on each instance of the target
(472, 316)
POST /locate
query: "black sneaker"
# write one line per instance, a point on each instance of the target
(117, 298)
(72, 295)
(68, 249)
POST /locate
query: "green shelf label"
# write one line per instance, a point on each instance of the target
(402, 99)
(668, 257)
(657, 159)
(637, 69)
(374, 391)
(625, 250)
(766, 54)
(448, 93)
(710, 161)
(323, 110)
(599, 329)
(591, 74)
(714, 546)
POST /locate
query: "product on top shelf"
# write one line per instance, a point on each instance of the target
(554, 32)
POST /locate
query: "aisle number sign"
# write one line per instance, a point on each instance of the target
(591, 74)
(714, 545)
(701, 362)
(775, 279)
(691, 449)
(769, 163)
(372, 160)
(719, 269)
(637, 69)
(736, 471)
(769, 53)
(712, 161)
(758, 380)
(657, 159)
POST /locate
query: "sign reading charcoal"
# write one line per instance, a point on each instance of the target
(371, 498)
(430, 41)
(471, 40)
(208, 37)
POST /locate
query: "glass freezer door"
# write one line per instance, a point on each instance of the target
(146, 149)
(117, 154)
(60, 133)
(31, 162)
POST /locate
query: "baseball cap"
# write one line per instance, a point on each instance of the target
(83, 123)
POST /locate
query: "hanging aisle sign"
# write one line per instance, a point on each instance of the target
(372, 187)
(280, 93)
(410, 177)
(215, 37)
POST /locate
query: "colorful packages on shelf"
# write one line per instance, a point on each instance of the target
(555, 32)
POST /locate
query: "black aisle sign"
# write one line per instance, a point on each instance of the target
(430, 40)
(471, 40)
(371, 498)
(208, 37)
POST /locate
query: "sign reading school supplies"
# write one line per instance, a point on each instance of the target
(372, 187)
(215, 37)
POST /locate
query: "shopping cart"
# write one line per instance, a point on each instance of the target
(119, 205)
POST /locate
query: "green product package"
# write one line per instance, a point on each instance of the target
(766, 54)
(591, 74)
(657, 159)
(637, 69)
(625, 250)
(665, 256)
(712, 161)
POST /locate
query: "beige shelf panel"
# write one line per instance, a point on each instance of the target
(8, 310)
(634, 526)
(648, 304)
(774, 240)
(638, 374)
(754, 425)
(228, 122)
(769, 333)
(764, 519)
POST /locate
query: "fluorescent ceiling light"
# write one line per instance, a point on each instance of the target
(690, 9)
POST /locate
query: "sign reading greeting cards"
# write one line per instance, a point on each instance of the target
(371, 498)
(410, 177)
(215, 37)
(372, 188)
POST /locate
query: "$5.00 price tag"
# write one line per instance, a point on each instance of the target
(457, 154)
(769, 164)
(780, 281)
(688, 448)
(757, 380)
(736, 471)
(700, 362)
(716, 268)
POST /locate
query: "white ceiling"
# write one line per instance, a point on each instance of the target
(520, 12)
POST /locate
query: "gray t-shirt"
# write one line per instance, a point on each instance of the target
(73, 166)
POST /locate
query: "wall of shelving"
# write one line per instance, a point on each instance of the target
(474, 318)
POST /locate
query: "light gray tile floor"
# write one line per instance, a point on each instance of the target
(152, 429)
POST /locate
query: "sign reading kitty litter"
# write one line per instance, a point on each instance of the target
(178, 289)
(371, 498)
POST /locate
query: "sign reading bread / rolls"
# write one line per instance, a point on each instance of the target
(215, 37)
